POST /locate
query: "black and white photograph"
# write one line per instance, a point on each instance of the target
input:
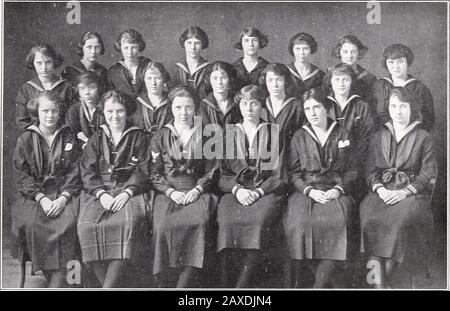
(224, 145)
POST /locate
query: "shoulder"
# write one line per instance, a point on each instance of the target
(263, 61)
(417, 85)
(115, 68)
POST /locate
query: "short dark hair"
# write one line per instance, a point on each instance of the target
(319, 96)
(338, 69)
(396, 51)
(89, 77)
(251, 92)
(407, 97)
(86, 36)
(120, 97)
(158, 66)
(51, 96)
(197, 33)
(280, 70)
(46, 50)
(131, 36)
(228, 69)
(302, 37)
(252, 32)
(183, 91)
(362, 49)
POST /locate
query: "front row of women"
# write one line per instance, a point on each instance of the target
(154, 204)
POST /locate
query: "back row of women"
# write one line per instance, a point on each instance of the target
(113, 167)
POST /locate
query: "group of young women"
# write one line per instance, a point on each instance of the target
(112, 168)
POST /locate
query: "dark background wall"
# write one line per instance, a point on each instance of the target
(422, 26)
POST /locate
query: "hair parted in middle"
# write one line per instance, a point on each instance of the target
(183, 91)
(281, 70)
(252, 32)
(340, 69)
(197, 33)
(251, 92)
(319, 96)
(121, 98)
(228, 69)
(90, 35)
(46, 50)
(302, 37)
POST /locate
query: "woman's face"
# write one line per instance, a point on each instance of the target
(193, 47)
(154, 81)
(48, 113)
(302, 52)
(275, 84)
(315, 112)
(341, 84)
(398, 68)
(219, 81)
(43, 65)
(250, 45)
(183, 110)
(130, 51)
(399, 111)
(89, 93)
(91, 49)
(115, 114)
(349, 53)
(250, 109)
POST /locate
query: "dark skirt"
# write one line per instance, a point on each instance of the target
(390, 231)
(247, 227)
(122, 235)
(317, 231)
(48, 242)
(180, 232)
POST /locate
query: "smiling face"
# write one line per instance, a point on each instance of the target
(130, 51)
(183, 110)
(48, 113)
(275, 84)
(219, 81)
(341, 84)
(250, 45)
(399, 111)
(349, 53)
(154, 82)
(315, 113)
(302, 52)
(91, 49)
(89, 93)
(250, 109)
(398, 68)
(115, 114)
(193, 47)
(43, 65)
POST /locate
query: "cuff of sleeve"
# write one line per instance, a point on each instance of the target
(376, 187)
(260, 191)
(169, 192)
(340, 189)
(410, 188)
(39, 196)
(99, 193)
(307, 190)
(66, 195)
(129, 192)
(200, 189)
(235, 189)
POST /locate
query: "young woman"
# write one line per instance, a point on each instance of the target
(113, 225)
(85, 117)
(192, 70)
(152, 110)
(396, 216)
(253, 193)
(317, 217)
(89, 49)
(126, 75)
(250, 67)
(48, 184)
(182, 206)
(349, 50)
(397, 58)
(306, 75)
(43, 59)
(219, 106)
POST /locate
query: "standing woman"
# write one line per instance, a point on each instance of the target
(152, 110)
(126, 75)
(113, 226)
(253, 193)
(250, 67)
(349, 50)
(219, 106)
(317, 216)
(48, 184)
(397, 58)
(306, 75)
(192, 70)
(182, 206)
(396, 216)
(43, 59)
(89, 49)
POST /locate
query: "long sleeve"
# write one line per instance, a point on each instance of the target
(427, 108)
(27, 183)
(227, 179)
(351, 170)
(380, 94)
(428, 168)
(365, 132)
(89, 167)
(211, 176)
(23, 119)
(157, 179)
(295, 168)
(372, 173)
(72, 182)
(73, 118)
(271, 184)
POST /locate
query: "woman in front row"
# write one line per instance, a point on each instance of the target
(182, 206)
(396, 216)
(112, 226)
(316, 220)
(253, 190)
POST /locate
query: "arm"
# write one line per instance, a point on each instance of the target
(380, 95)
(72, 182)
(89, 168)
(428, 169)
(23, 119)
(295, 168)
(157, 178)
(372, 173)
(365, 132)
(427, 108)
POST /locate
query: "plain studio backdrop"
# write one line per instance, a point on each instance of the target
(421, 26)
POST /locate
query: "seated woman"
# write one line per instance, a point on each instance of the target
(396, 216)
(250, 67)
(152, 112)
(316, 222)
(84, 117)
(89, 49)
(397, 58)
(182, 206)
(126, 75)
(192, 70)
(44, 60)
(113, 226)
(253, 192)
(306, 75)
(48, 184)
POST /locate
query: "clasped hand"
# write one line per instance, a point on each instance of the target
(53, 208)
(182, 198)
(391, 197)
(114, 204)
(324, 197)
(247, 197)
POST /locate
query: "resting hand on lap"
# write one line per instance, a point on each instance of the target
(191, 196)
(318, 196)
(119, 201)
(332, 194)
(106, 201)
(58, 206)
(46, 205)
(245, 197)
(397, 196)
(178, 197)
